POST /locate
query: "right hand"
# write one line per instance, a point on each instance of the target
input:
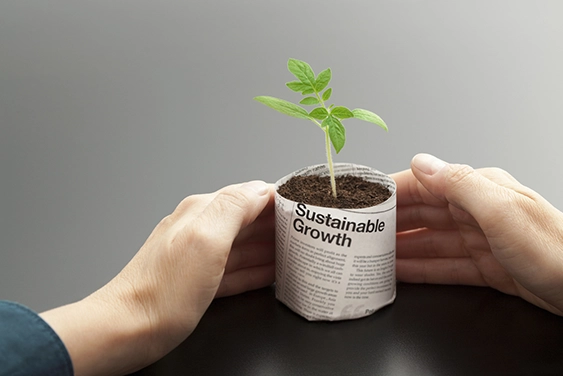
(457, 225)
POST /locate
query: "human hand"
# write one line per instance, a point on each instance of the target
(214, 244)
(457, 225)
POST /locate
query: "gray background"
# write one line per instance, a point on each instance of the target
(113, 111)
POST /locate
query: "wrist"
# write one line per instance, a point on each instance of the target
(102, 337)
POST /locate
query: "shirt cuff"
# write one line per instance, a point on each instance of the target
(28, 345)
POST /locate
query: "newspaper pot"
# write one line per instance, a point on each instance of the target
(336, 264)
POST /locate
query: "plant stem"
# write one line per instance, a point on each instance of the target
(330, 167)
(328, 151)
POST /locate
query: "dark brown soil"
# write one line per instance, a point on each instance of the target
(353, 192)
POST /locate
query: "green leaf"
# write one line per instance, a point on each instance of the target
(326, 123)
(284, 107)
(319, 113)
(309, 101)
(308, 91)
(369, 116)
(298, 86)
(326, 94)
(322, 80)
(302, 71)
(337, 133)
(341, 112)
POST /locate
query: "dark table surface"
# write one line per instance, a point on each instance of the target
(429, 330)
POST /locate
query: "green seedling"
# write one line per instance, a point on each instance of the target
(329, 119)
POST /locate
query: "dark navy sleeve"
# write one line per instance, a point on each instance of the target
(28, 345)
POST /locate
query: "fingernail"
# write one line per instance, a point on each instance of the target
(258, 186)
(428, 164)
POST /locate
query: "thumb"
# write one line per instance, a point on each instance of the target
(459, 185)
(233, 208)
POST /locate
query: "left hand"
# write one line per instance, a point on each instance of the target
(215, 244)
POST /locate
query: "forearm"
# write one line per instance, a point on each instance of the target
(102, 339)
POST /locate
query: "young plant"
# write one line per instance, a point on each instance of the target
(329, 119)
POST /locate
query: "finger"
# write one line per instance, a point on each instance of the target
(192, 206)
(246, 279)
(411, 192)
(262, 229)
(451, 271)
(269, 209)
(231, 210)
(461, 217)
(249, 255)
(417, 216)
(463, 187)
(427, 243)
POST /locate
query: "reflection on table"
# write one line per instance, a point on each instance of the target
(429, 330)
